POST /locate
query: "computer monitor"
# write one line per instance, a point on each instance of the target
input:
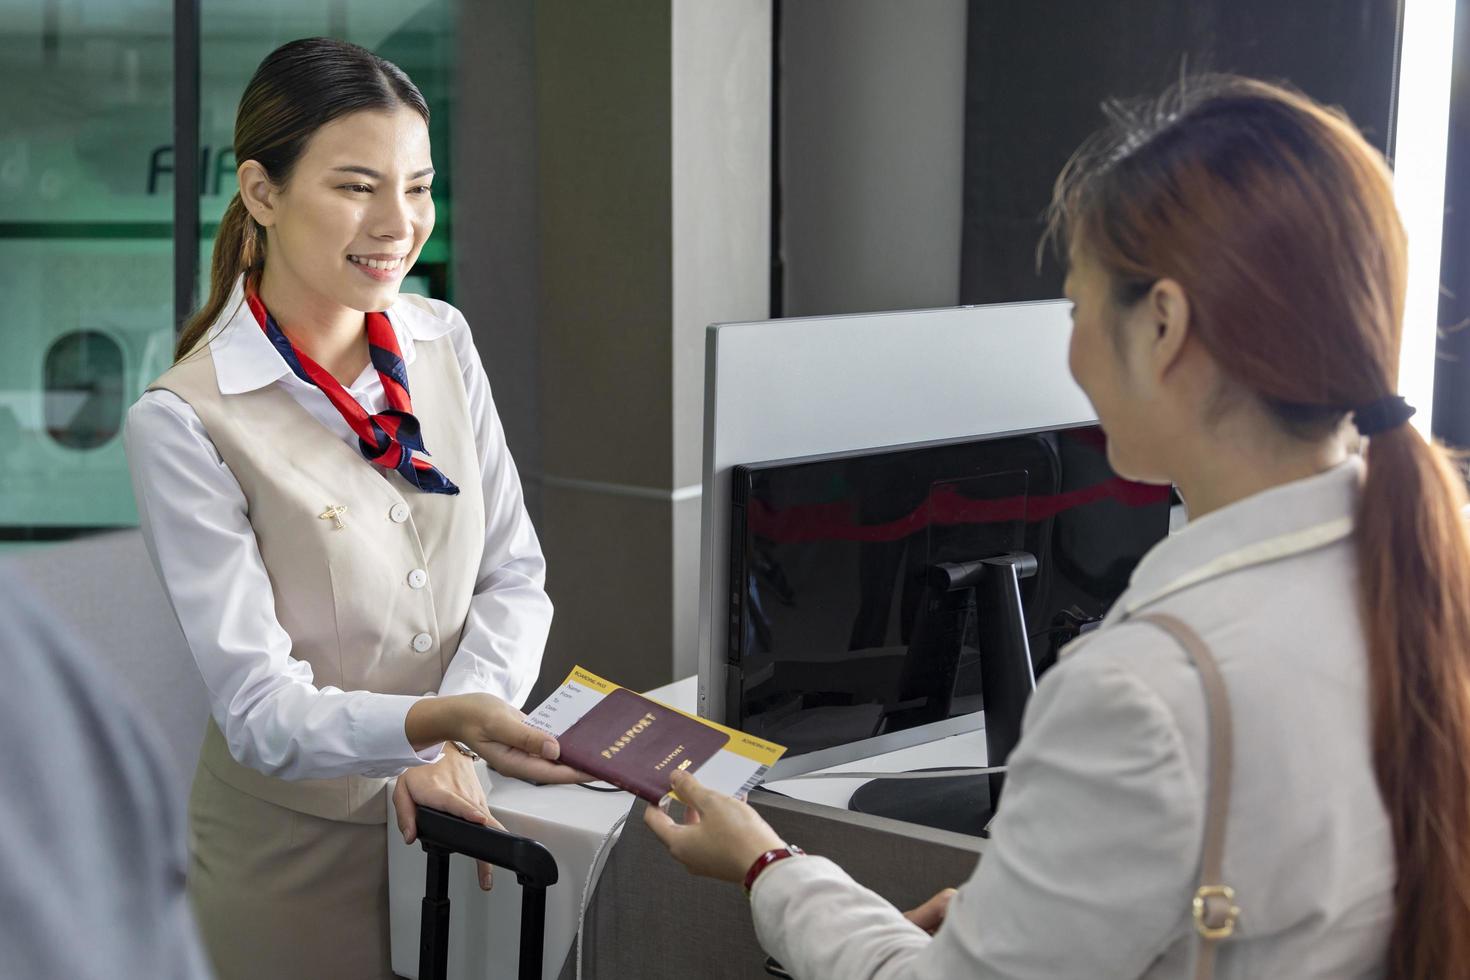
(798, 387)
(882, 591)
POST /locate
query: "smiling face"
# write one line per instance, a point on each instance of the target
(354, 214)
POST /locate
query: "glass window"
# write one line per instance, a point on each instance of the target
(85, 263)
(86, 212)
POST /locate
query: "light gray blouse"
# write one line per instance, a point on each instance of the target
(1095, 852)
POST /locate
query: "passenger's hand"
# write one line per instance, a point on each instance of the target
(930, 915)
(721, 836)
(451, 785)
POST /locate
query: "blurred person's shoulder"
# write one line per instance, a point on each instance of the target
(95, 847)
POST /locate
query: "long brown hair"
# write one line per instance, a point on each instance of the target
(1278, 220)
(299, 88)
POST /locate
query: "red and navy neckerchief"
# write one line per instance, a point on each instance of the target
(388, 439)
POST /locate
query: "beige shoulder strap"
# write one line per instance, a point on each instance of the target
(1215, 913)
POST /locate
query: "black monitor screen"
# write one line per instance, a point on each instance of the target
(836, 634)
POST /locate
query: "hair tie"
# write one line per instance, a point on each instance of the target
(1383, 415)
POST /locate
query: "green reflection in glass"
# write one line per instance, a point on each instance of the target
(86, 209)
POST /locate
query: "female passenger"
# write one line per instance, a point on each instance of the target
(1237, 274)
(354, 604)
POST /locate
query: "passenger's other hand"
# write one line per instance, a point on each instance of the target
(451, 785)
(930, 915)
(721, 836)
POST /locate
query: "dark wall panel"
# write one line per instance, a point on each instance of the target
(1037, 73)
(1452, 373)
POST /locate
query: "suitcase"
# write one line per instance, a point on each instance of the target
(441, 835)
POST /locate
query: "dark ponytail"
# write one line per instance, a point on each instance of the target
(1414, 565)
(299, 88)
(1279, 222)
(239, 249)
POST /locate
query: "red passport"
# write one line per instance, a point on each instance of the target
(637, 744)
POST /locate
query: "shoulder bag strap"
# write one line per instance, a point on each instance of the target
(1215, 913)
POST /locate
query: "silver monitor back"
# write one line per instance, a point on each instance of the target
(777, 389)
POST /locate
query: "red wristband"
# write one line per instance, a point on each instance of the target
(766, 860)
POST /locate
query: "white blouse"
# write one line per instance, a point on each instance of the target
(1096, 848)
(194, 519)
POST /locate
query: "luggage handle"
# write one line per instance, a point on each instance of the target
(441, 835)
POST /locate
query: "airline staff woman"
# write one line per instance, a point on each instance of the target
(1237, 274)
(328, 573)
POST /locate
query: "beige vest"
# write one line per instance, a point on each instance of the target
(344, 595)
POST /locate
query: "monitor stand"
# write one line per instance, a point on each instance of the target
(966, 803)
(959, 803)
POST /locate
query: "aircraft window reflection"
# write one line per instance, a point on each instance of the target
(83, 389)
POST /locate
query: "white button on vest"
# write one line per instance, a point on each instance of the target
(418, 578)
(422, 642)
(399, 513)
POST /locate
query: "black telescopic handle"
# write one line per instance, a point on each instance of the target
(441, 835)
(530, 860)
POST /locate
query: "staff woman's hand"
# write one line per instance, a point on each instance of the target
(495, 730)
(511, 747)
(451, 785)
(721, 836)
